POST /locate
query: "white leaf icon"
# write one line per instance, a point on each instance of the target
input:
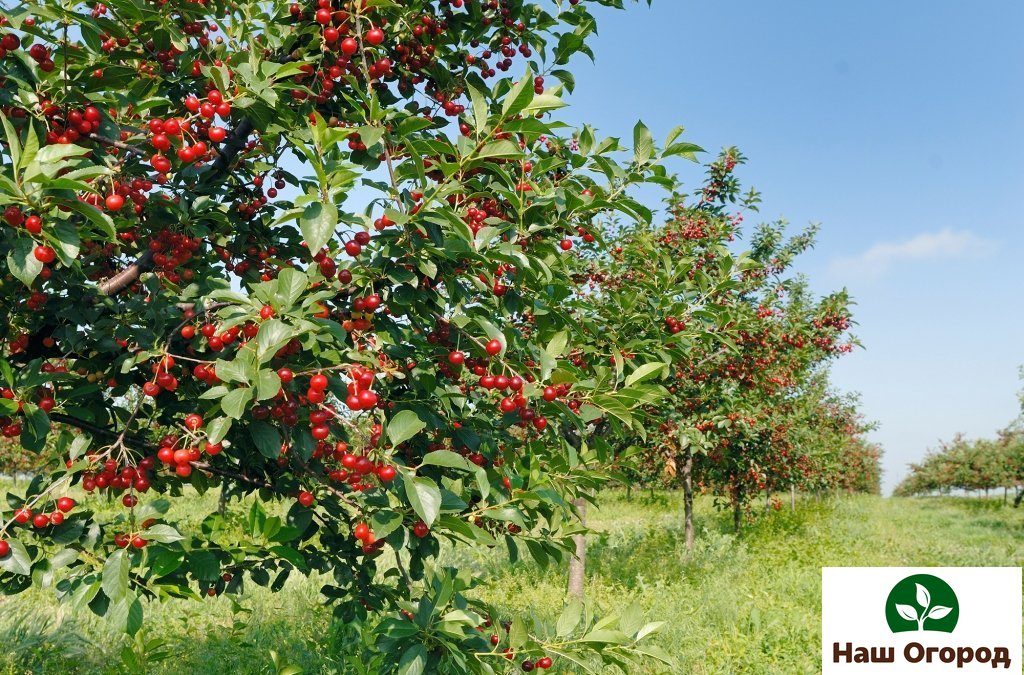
(938, 611)
(923, 598)
(907, 612)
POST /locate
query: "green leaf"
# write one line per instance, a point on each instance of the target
(290, 284)
(68, 243)
(424, 496)
(480, 109)
(606, 636)
(35, 430)
(502, 148)
(56, 152)
(446, 458)
(570, 618)
(556, 347)
(413, 661)
(643, 143)
(404, 426)
(95, 216)
(22, 262)
(519, 97)
(268, 383)
(217, 429)
(483, 484)
(115, 575)
(204, 565)
(271, 336)
(17, 561)
(235, 402)
(385, 522)
(235, 370)
(543, 102)
(687, 150)
(317, 223)
(567, 79)
(266, 438)
(644, 372)
(126, 613)
(161, 533)
(13, 141)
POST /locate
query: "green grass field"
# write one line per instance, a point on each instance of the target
(747, 604)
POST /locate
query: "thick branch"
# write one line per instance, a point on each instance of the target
(128, 276)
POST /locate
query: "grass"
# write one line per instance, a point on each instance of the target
(747, 604)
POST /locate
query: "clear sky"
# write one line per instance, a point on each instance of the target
(899, 126)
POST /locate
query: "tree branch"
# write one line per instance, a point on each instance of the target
(144, 262)
(103, 140)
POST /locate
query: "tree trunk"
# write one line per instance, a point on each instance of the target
(737, 514)
(688, 499)
(578, 563)
(767, 500)
(1017, 499)
(792, 497)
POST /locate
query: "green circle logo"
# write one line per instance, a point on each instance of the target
(922, 602)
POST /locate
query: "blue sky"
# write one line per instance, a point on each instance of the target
(899, 126)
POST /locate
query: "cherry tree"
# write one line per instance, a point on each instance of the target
(194, 302)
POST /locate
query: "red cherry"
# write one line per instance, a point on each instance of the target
(323, 16)
(566, 244)
(5, 548)
(65, 504)
(151, 389)
(217, 134)
(318, 382)
(213, 448)
(160, 163)
(375, 36)
(456, 358)
(285, 375)
(349, 46)
(44, 254)
(114, 202)
(193, 421)
(306, 498)
(493, 347)
(386, 473)
(420, 529)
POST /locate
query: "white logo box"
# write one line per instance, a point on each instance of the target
(853, 602)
